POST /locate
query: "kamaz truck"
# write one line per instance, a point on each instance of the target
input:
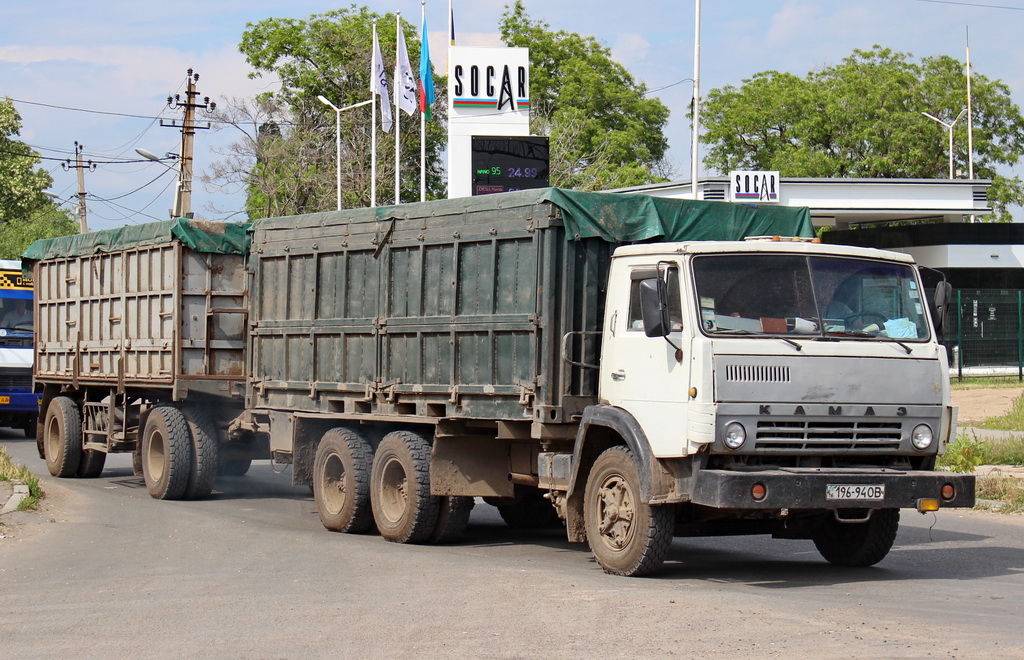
(632, 368)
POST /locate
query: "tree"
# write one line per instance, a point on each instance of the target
(286, 157)
(604, 132)
(25, 212)
(863, 118)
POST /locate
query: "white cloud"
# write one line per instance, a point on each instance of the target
(630, 48)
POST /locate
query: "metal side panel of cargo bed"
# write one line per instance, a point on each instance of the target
(451, 315)
(158, 315)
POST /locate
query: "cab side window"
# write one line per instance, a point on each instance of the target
(675, 307)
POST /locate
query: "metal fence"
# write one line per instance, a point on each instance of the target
(984, 332)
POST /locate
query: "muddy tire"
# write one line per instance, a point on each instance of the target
(452, 517)
(166, 453)
(403, 508)
(92, 463)
(627, 536)
(530, 511)
(137, 469)
(62, 437)
(205, 462)
(858, 544)
(341, 481)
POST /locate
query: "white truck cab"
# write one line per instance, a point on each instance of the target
(764, 386)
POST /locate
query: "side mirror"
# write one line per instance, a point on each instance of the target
(654, 307)
(943, 296)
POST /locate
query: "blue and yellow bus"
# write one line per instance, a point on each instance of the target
(19, 405)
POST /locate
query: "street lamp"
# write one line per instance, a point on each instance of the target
(176, 211)
(337, 135)
(950, 128)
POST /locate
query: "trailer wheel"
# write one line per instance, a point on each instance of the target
(62, 437)
(858, 544)
(627, 536)
(92, 463)
(166, 453)
(452, 517)
(204, 453)
(341, 481)
(403, 508)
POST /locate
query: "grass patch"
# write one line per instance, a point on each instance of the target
(11, 471)
(985, 382)
(1013, 420)
(1008, 490)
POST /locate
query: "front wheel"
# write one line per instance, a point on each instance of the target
(858, 544)
(627, 536)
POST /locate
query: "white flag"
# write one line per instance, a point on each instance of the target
(407, 100)
(379, 85)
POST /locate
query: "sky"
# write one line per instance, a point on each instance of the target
(98, 62)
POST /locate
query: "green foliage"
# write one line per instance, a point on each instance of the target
(47, 222)
(964, 455)
(604, 132)
(288, 155)
(1013, 420)
(11, 471)
(863, 118)
(21, 184)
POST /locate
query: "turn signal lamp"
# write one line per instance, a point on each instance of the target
(926, 504)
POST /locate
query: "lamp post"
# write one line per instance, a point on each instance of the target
(176, 211)
(337, 135)
(950, 128)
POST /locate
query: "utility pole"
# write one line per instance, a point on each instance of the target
(83, 227)
(188, 126)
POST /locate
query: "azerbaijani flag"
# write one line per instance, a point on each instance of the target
(426, 75)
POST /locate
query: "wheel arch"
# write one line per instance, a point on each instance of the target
(603, 427)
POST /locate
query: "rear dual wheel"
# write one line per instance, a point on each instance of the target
(403, 508)
(62, 437)
(341, 481)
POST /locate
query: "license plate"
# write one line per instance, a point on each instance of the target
(5, 400)
(854, 492)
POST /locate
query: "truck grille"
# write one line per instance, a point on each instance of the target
(828, 436)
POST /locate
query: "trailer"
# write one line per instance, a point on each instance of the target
(407, 360)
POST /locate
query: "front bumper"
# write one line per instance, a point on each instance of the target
(806, 488)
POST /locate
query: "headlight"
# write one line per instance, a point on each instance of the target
(921, 438)
(735, 435)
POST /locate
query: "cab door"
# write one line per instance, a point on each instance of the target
(642, 374)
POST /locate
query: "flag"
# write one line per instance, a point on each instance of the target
(407, 93)
(426, 76)
(451, 21)
(379, 85)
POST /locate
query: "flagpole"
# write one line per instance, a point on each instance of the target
(398, 113)
(423, 118)
(373, 121)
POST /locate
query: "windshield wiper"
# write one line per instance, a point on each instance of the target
(737, 331)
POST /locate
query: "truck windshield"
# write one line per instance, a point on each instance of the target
(795, 294)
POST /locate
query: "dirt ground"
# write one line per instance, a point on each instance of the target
(977, 405)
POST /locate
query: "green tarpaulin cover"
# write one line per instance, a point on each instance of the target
(614, 217)
(199, 235)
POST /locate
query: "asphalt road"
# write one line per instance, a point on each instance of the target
(107, 572)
